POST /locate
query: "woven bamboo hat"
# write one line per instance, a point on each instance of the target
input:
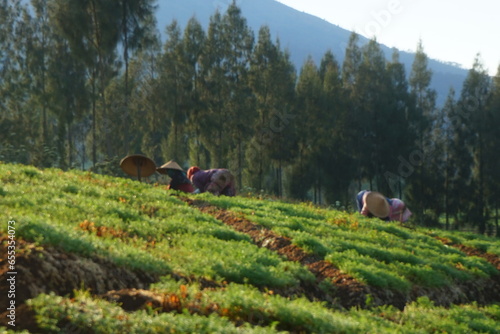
(377, 204)
(138, 165)
(169, 165)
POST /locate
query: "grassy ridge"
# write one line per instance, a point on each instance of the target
(139, 226)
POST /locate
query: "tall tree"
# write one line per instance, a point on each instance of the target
(193, 44)
(271, 79)
(92, 29)
(493, 158)
(350, 69)
(336, 160)
(398, 140)
(68, 98)
(372, 89)
(421, 118)
(239, 99)
(213, 89)
(14, 86)
(443, 135)
(136, 31)
(173, 81)
(473, 102)
(307, 169)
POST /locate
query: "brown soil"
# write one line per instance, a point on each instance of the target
(491, 258)
(42, 270)
(48, 269)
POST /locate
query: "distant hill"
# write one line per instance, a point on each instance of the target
(301, 33)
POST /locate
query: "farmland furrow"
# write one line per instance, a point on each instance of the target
(48, 269)
(470, 251)
(348, 291)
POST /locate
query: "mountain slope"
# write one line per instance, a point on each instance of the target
(145, 259)
(301, 33)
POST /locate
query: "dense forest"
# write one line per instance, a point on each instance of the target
(84, 83)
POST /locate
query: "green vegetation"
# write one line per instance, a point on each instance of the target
(145, 227)
(380, 254)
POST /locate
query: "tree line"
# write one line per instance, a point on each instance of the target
(84, 82)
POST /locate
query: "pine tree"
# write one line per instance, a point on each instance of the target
(372, 89)
(491, 152)
(272, 80)
(443, 133)
(336, 160)
(213, 90)
(399, 139)
(420, 181)
(311, 136)
(354, 120)
(239, 101)
(474, 99)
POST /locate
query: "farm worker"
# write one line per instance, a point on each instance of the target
(218, 181)
(178, 178)
(372, 203)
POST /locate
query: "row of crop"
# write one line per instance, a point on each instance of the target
(241, 308)
(50, 208)
(172, 237)
(375, 252)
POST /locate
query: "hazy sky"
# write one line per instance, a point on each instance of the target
(450, 30)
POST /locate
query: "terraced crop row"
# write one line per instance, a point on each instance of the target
(144, 261)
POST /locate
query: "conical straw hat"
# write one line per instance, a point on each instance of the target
(169, 165)
(138, 165)
(377, 204)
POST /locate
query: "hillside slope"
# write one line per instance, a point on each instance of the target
(104, 255)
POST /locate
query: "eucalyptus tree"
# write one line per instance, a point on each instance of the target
(13, 89)
(147, 97)
(68, 98)
(213, 91)
(92, 28)
(193, 45)
(175, 98)
(137, 31)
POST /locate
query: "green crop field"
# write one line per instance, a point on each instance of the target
(97, 254)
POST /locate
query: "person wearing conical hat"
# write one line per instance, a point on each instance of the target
(374, 204)
(218, 181)
(178, 178)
